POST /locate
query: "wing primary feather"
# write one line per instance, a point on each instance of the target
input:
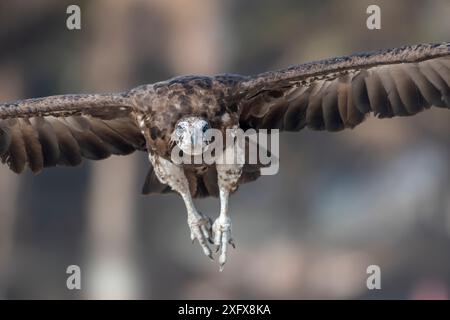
(409, 94)
(295, 117)
(379, 101)
(91, 147)
(70, 153)
(314, 112)
(330, 108)
(5, 137)
(16, 158)
(360, 96)
(387, 80)
(33, 147)
(426, 88)
(434, 78)
(115, 142)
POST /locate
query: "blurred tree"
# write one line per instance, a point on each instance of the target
(10, 87)
(113, 193)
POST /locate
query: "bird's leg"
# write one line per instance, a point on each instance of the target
(173, 175)
(199, 224)
(227, 177)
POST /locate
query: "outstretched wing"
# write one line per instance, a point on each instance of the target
(61, 130)
(338, 93)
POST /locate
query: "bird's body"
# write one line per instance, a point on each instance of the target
(327, 95)
(162, 104)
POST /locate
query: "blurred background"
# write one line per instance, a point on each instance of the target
(378, 194)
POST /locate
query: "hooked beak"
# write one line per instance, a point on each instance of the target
(197, 141)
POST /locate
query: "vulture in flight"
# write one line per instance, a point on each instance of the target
(332, 95)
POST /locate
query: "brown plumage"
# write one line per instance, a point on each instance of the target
(328, 95)
(338, 93)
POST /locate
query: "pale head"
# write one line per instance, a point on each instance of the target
(190, 135)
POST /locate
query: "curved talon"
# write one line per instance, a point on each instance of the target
(210, 230)
(201, 230)
(222, 237)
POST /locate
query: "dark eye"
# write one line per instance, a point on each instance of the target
(179, 130)
(205, 128)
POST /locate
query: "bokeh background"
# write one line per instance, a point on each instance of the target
(378, 194)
